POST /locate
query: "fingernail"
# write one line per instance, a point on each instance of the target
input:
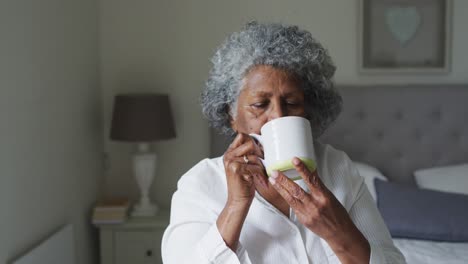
(296, 161)
(274, 174)
(272, 180)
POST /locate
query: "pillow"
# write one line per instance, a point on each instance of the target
(448, 179)
(415, 213)
(369, 174)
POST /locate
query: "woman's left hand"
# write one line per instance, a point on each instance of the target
(323, 214)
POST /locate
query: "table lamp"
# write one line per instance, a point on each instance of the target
(142, 119)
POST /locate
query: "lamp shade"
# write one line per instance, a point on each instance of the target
(141, 118)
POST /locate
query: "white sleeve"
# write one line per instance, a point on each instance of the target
(368, 220)
(192, 235)
(351, 191)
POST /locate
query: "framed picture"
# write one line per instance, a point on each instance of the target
(405, 36)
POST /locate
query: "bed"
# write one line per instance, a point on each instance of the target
(399, 130)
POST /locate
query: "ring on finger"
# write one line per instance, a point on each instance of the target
(246, 160)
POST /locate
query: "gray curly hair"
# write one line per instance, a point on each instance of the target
(284, 47)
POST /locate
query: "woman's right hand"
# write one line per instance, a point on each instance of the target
(243, 177)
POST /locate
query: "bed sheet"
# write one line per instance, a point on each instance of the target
(430, 252)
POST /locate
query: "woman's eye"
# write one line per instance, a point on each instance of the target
(292, 103)
(259, 105)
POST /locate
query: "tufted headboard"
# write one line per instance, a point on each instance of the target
(398, 129)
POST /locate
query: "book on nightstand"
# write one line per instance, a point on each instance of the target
(111, 211)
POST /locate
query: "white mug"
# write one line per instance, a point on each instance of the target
(283, 139)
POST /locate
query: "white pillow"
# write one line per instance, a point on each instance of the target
(369, 173)
(452, 179)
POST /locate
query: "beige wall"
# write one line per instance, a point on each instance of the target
(50, 123)
(165, 46)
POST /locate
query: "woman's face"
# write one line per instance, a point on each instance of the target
(267, 93)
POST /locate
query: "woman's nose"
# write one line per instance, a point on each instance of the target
(277, 111)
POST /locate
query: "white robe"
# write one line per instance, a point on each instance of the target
(268, 236)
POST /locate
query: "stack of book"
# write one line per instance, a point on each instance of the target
(111, 211)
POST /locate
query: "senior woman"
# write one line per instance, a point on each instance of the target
(226, 210)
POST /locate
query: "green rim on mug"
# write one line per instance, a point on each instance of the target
(287, 165)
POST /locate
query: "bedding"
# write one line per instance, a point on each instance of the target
(447, 178)
(430, 252)
(411, 212)
(418, 251)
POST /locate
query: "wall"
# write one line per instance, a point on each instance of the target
(165, 46)
(50, 123)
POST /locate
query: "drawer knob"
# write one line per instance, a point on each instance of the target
(149, 253)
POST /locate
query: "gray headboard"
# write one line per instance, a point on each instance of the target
(398, 129)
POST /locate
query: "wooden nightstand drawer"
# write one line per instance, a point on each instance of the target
(138, 241)
(137, 247)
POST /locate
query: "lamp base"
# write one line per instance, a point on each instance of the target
(145, 210)
(144, 165)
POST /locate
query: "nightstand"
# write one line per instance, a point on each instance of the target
(137, 241)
